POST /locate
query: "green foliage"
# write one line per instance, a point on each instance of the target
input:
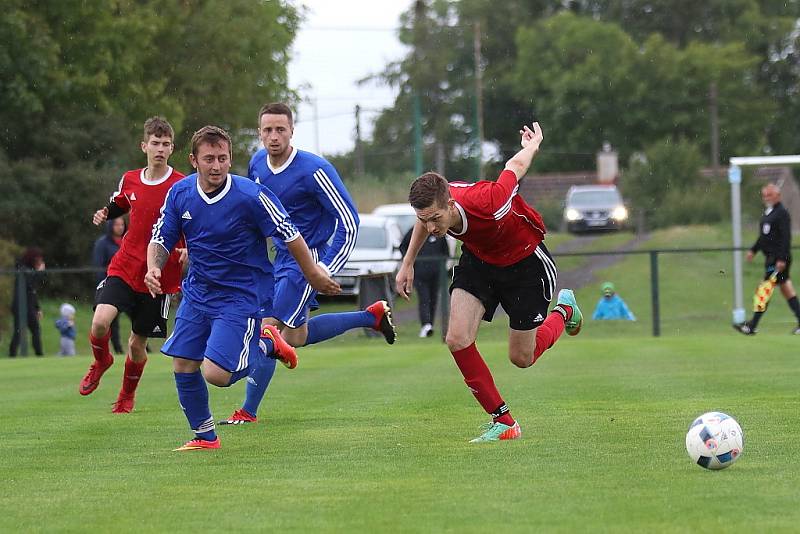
(85, 74)
(665, 183)
(9, 251)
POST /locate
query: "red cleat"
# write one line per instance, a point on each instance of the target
(239, 417)
(281, 351)
(124, 403)
(197, 444)
(383, 320)
(92, 378)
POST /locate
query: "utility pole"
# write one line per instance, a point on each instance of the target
(419, 15)
(359, 146)
(714, 113)
(476, 48)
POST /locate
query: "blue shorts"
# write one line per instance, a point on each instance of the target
(227, 340)
(294, 297)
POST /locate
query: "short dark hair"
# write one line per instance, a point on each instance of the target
(158, 126)
(429, 189)
(212, 135)
(31, 257)
(275, 108)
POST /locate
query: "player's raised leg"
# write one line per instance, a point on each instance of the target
(99, 336)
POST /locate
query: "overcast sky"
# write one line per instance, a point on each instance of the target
(340, 42)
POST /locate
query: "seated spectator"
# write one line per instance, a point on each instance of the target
(611, 306)
(66, 327)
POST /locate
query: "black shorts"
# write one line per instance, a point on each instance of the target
(524, 289)
(769, 269)
(148, 315)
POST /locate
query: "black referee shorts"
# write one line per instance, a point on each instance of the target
(148, 315)
(524, 289)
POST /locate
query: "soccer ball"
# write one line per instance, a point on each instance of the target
(714, 440)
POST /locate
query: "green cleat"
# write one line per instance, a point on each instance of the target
(498, 431)
(575, 322)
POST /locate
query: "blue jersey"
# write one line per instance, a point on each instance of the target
(317, 201)
(226, 239)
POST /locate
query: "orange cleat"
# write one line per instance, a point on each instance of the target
(92, 378)
(124, 403)
(239, 417)
(281, 351)
(197, 444)
(383, 320)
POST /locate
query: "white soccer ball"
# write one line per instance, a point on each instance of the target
(714, 440)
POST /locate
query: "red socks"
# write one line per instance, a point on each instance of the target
(479, 380)
(100, 348)
(547, 334)
(133, 372)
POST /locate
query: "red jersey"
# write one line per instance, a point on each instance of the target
(143, 198)
(500, 228)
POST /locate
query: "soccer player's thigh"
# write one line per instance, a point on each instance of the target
(112, 296)
(466, 312)
(525, 294)
(232, 343)
(189, 338)
(293, 300)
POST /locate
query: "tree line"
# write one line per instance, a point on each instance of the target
(643, 75)
(81, 76)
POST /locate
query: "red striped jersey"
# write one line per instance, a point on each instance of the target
(500, 228)
(142, 199)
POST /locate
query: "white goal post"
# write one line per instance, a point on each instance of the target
(735, 179)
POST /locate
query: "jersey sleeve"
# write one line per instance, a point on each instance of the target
(783, 237)
(120, 196)
(167, 229)
(271, 216)
(493, 199)
(334, 198)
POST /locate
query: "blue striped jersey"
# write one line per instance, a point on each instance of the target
(314, 196)
(226, 238)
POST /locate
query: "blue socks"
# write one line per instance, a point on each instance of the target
(261, 371)
(330, 325)
(193, 396)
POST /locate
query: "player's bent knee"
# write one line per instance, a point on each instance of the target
(457, 342)
(520, 359)
(100, 328)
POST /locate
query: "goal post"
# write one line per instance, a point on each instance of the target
(735, 179)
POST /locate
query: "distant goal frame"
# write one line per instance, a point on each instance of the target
(735, 179)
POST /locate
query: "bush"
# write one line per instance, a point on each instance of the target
(667, 186)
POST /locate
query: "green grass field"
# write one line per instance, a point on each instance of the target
(365, 437)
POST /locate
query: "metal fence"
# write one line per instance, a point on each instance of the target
(77, 283)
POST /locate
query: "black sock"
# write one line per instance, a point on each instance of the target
(795, 306)
(756, 318)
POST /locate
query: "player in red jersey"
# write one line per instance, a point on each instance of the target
(503, 261)
(141, 193)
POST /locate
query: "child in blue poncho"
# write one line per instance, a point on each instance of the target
(611, 306)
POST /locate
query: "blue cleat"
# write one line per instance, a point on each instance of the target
(574, 322)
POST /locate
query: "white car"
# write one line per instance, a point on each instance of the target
(377, 251)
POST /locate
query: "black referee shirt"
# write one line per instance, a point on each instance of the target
(775, 238)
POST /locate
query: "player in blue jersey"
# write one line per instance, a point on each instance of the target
(225, 220)
(310, 189)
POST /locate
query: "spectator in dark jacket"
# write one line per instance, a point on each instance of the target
(426, 277)
(29, 267)
(104, 249)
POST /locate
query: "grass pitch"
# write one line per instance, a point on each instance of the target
(366, 437)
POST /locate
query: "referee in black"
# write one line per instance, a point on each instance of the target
(774, 240)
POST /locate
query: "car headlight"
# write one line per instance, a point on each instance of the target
(619, 213)
(573, 214)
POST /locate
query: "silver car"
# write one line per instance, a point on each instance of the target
(594, 207)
